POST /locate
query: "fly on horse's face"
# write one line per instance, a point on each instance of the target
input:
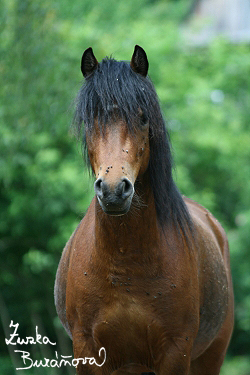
(118, 155)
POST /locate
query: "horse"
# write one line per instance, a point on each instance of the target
(144, 283)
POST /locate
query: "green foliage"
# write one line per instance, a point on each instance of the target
(44, 185)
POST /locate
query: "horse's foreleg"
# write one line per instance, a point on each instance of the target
(87, 359)
(173, 366)
(210, 362)
(176, 357)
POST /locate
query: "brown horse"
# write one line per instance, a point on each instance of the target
(146, 274)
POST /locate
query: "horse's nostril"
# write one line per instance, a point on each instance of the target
(98, 187)
(125, 188)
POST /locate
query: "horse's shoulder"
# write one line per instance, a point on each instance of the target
(61, 283)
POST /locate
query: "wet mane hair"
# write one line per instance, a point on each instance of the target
(114, 88)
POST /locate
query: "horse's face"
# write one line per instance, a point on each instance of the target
(117, 158)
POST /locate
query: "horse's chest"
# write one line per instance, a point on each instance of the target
(119, 323)
(126, 328)
(129, 312)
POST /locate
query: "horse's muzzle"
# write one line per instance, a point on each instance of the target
(115, 200)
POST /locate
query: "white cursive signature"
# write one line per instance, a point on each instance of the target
(46, 362)
(64, 361)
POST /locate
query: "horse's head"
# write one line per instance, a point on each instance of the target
(118, 152)
(125, 136)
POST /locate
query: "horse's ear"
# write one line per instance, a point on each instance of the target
(139, 61)
(88, 63)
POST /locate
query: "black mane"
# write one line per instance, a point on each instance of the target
(115, 84)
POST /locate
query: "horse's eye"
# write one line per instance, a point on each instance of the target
(143, 119)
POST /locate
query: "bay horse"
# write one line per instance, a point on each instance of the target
(146, 275)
